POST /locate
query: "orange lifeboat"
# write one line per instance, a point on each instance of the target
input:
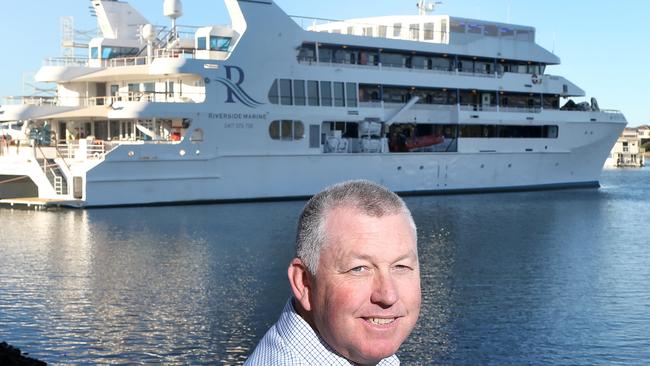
(423, 141)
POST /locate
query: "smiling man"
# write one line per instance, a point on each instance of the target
(355, 282)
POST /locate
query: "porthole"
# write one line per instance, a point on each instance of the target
(182, 152)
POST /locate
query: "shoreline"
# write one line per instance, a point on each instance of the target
(12, 356)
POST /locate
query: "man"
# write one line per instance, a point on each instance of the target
(355, 282)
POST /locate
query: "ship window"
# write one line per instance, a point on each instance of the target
(299, 91)
(298, 130)
(326, 93)
(392, 59)
(383, 30)
(483, 67)
(351, 94)
(312, 93)
(508, 131)
(219, 43)
(201, 44)
(307, 53)
(443, 30)
(414, 30)
(94, 52)
(274, 130)
(440, 63)
(369, 93)
(428, 31)
(523, 35)
(197, 136)
(285, 92)
(339, 100)
(474, 29)
(367, 31)
(419, 62)
(274, 96)
(490, 30)
(551, 132)
(397, 29)
(457, 27)
(350, 30)
(169, 88)
(115, 52)
(324, 54)
(287, 130)
(506, 33)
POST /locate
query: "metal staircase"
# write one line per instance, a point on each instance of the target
(54, 175)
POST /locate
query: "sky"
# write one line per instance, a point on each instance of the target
(603, 45)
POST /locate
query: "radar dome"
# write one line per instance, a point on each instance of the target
(148, 32)
(173, 9)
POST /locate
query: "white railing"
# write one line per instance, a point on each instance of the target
(66, 61)
(85, 149)
(380, 66)
(158, 97)
(27, 100)
(611, 111)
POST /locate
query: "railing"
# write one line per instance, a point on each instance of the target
(158, 97)
(373, 30)
(66, 61)
(380, 66)
(451, 107)
(118, 61)
(36, 101)
(611, 111)
(84, 149)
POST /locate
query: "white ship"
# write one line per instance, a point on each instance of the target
(274, 107)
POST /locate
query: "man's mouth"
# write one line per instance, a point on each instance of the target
(380, 321)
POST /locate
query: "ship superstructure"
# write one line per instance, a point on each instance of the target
(274, 107)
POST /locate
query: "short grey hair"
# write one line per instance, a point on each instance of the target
(368, 197)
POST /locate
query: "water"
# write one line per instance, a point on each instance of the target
(534, 278)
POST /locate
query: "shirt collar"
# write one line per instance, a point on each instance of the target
(306, 342)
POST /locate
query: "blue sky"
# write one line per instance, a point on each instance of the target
(603, 44)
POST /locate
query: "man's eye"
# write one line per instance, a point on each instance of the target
(359, 269)
(402, 268)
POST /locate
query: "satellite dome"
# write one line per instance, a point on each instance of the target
(173, 9)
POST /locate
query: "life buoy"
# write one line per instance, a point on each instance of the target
(536, 79)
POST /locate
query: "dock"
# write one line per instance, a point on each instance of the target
(36, 202)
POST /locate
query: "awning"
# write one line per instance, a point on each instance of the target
(113, 72)
(100, 111)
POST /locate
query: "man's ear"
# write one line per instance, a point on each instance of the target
(301, 282)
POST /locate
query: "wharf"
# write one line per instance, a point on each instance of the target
(35, 202)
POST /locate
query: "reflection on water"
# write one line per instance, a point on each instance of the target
(516, 278)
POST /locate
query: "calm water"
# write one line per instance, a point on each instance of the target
(535, 278)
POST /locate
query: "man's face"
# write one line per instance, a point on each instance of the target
(366, 295)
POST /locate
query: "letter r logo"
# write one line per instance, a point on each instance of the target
(229, 76)
(233, 80)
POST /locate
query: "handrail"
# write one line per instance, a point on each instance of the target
(58, 153)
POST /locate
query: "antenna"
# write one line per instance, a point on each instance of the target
(427, 7)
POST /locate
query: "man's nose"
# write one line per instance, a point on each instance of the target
(384, 291)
